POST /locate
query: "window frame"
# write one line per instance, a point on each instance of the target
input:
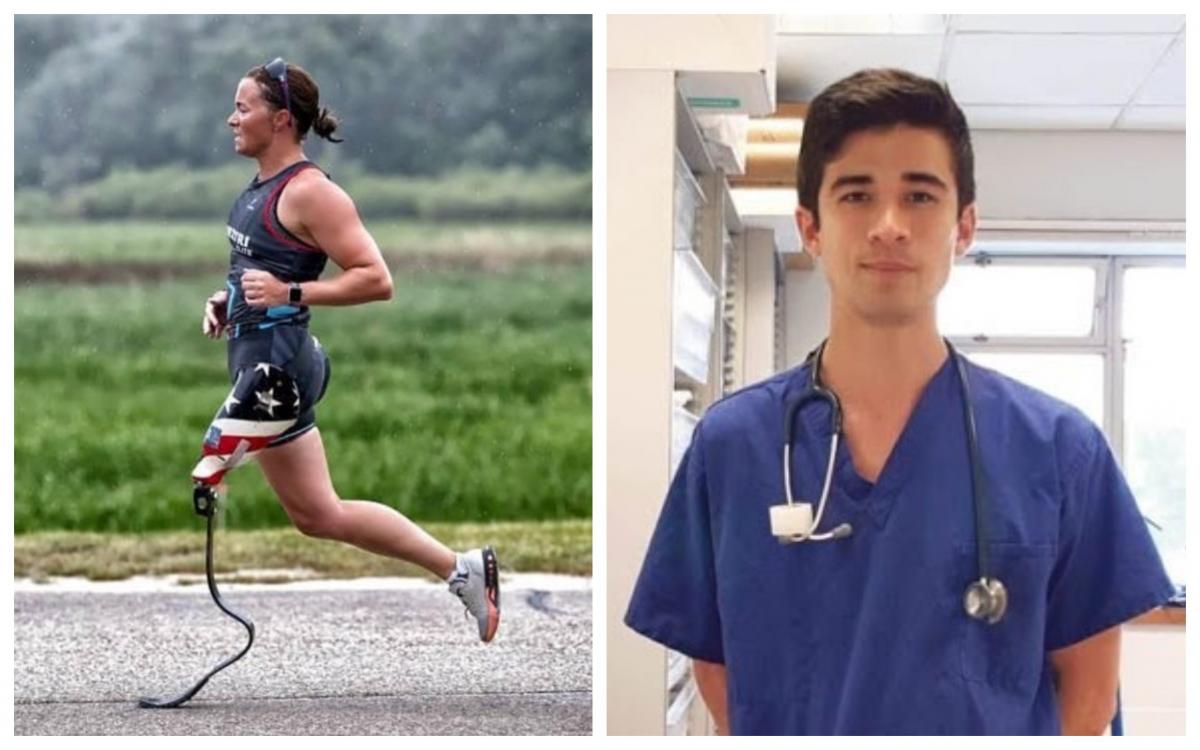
(1098, 342)
(1107, 338)
(1092, 342)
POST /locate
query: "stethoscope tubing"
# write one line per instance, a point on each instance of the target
(978, 487)
(818, 392)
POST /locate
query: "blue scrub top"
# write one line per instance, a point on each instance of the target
(867, 635)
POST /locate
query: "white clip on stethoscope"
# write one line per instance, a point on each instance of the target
(986, 598)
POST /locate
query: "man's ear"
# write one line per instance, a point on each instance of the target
(809, 234)
(967, 223)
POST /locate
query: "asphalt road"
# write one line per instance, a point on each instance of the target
(375, 657)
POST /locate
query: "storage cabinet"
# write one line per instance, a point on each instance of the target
(704, 333)
(673, 319)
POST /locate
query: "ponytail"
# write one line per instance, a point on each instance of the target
(325, 125)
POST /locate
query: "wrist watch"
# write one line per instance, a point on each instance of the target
(294, 292)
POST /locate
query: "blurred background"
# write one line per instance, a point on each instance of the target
(467, 398)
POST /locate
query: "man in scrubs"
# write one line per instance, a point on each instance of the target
(868, 634)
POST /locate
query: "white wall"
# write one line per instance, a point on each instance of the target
(641, 169)
(1152, 680)
(807, 313)
(1059, 175)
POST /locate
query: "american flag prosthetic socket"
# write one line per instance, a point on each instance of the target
(263, 404)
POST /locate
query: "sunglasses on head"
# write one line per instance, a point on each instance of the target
(277, 69)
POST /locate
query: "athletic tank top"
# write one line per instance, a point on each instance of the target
(258, 240)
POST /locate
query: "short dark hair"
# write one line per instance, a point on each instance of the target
(874, 99)
(304, 98)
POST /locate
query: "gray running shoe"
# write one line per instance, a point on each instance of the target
(479, 590)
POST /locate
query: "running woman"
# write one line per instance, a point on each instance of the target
(282, 228)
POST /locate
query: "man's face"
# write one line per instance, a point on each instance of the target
(253, 121)
(889, 224)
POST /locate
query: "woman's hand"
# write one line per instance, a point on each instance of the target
(263, 290)
(214, 314)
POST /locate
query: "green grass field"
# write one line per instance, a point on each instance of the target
(198, 242)
(465, 398)
(277, 555)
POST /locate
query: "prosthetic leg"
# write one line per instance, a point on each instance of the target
(263, 405)
(204, 500)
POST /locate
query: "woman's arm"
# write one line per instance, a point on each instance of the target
(327, 215)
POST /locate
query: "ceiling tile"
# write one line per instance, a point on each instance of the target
(983, 117)
(1166, 84)
(1051, 69)
(1118, 24)
(807, 64)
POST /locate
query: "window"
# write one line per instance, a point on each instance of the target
(1003, 300)
(1102, 334)
(1077, 379)
(1152, 328)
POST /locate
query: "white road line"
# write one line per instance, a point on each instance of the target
(196, 583)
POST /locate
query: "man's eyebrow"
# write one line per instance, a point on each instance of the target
(925, 178)
(852, 179)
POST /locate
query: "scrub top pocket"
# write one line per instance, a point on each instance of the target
(1010, 653)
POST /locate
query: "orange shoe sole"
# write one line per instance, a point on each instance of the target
(491, 583)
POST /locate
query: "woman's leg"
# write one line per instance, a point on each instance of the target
(298, 473)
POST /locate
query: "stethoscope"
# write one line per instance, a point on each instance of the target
(986, 598)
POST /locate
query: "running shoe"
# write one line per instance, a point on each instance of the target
(479, 589)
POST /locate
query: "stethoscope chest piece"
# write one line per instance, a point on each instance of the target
(986, 599)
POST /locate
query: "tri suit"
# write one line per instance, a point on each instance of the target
(278, 369)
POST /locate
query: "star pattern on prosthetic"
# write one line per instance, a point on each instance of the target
(230, 402)
(267, 401)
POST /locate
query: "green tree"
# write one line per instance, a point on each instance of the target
(418, 94)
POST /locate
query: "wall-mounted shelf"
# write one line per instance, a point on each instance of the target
(683, 424)
(733, 220)
(771, 209)
(695, 316)
(688, 138)
(689, 202)
(746, 93)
